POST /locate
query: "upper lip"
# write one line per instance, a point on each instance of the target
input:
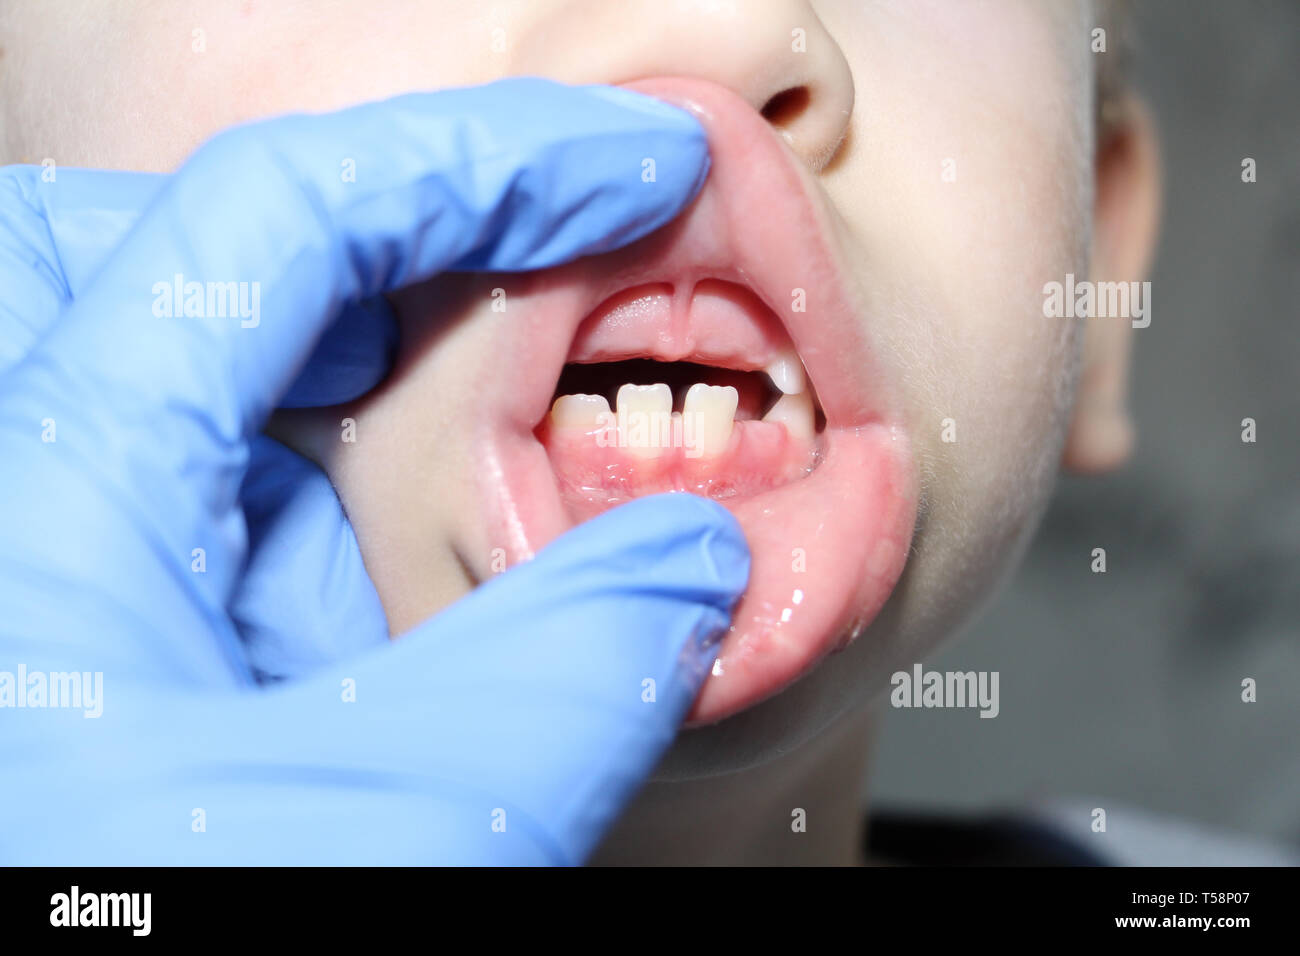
(787, 263)
(743, 332)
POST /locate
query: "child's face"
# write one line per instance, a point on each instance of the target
(939, 172)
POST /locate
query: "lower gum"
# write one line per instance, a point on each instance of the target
(760, 457)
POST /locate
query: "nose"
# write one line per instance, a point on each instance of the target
(776, 54)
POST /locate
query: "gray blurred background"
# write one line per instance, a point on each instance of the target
(1126, 687)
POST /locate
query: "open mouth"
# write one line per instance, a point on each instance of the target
(724, 356)
(723, 426)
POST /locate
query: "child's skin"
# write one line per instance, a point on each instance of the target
(953, 270)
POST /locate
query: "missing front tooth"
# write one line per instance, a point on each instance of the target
(755, 393)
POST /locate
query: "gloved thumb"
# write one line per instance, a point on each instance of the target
(568, 676)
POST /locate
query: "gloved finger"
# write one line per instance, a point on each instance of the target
(167, 365)
(508, 729)
(520, 174)
(565, 679)
(305, 599)
(352, 357)
(56, 228)
(59, 226)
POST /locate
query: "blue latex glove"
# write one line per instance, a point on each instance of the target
(510, 728)
(304, 598)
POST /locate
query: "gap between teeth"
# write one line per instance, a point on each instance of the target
(644, 423)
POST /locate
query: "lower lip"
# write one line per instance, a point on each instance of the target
(826, 551)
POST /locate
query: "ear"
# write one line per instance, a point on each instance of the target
(1125, 224)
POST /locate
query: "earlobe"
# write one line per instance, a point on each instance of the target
(1126, 220)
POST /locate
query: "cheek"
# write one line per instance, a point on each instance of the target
(968, 190)
(404, 459)
(990, 378)
(140, 85)
(393, 479)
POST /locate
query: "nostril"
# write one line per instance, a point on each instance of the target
(787, 106)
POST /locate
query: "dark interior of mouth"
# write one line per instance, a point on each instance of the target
(756, 392)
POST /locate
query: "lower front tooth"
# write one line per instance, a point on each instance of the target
(796, 413)
(708, 414)
(645, 419)
(580, 411)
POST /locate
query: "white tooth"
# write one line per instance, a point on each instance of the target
(645, 419)
(580, 411)
(708, 413)
(796, 413)
(786, 373)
